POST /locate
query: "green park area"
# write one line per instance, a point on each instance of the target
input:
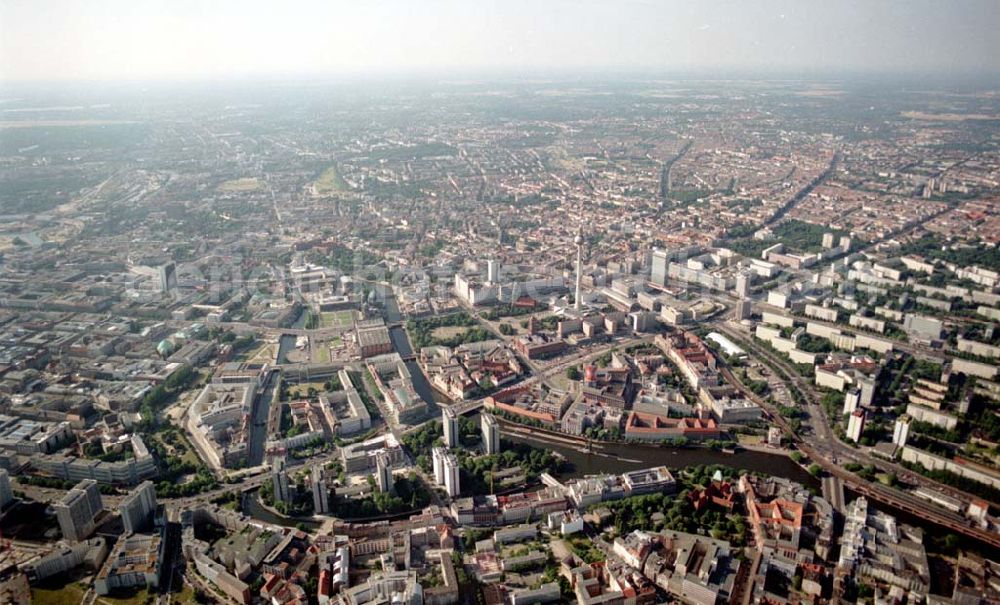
(330, 182)
(240, 185)
(337, 319)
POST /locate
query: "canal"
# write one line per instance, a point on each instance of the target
(285, 344)
(258, 421)
(401, 342)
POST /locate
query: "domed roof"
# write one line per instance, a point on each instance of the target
(165, 347)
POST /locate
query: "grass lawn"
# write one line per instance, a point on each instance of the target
(330, 182)
(246, 184)
(321, 354)
(71, 593)
(137, 597)
(750, 439)
(445, 332)
(337, 319)
(265, 352)
(303, 388)
(185, 596)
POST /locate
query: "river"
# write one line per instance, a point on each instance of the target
(618, 458)
(613, 458)
(253, 508)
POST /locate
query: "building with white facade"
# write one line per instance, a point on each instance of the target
(449, 424)
(856, 425)
(491, 434)
(446, 470)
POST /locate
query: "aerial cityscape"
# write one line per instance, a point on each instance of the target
(605, 339)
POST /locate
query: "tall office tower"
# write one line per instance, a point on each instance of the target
(744, 309)
(78, 510)
(743, 285)
(845, 243)
(867, 384)
(828, 240)
(383, 473)
(437, 458)
(658, 273)
(578, 240)
(320, 493)
(279, 480)
(6, 493)
(491, 434)
(449, 422)
(451, 478)
(93, 490)
(901, 431)
(138, 508)
(493, 271)
(167, 277)
(856, 425)
(851, 400)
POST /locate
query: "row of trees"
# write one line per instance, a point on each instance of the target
(679, 512)
(476, 470)
(421, 330)
(506, 310)
(163, 393)
(409, 494)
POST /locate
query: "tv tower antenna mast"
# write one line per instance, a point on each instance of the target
(578, 240)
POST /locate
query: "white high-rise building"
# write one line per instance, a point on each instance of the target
(77, 511)
(851, 400)
(446, 470)
(137, 509)
(744, 309)
(320, 493)
(491, 434)
(6, 493)
(867, 385)
(658, 273)
(451, 476)
(437, 458)
(901, 431)
(449, 422)
(493, 271)
(743, 285)
(279, 480)
(856, 425)
(383, 473)
(578, 240)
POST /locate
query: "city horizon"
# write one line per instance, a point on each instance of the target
(113, 39)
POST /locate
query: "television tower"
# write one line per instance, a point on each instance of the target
(578, 240)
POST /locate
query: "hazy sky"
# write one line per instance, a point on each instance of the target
(111, 39)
